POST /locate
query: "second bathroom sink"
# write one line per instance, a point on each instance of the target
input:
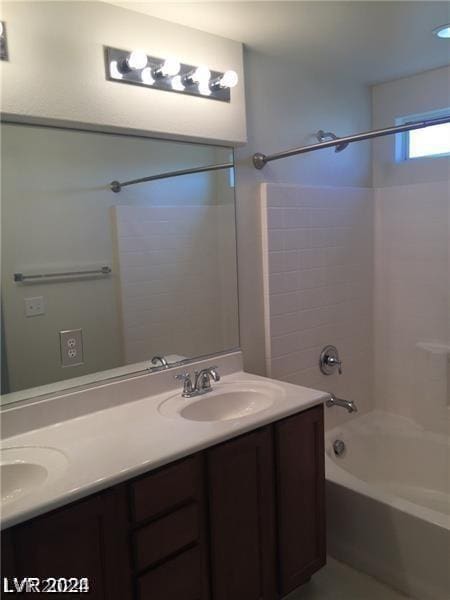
(24, 469)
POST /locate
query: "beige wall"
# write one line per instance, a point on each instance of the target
(56, 71)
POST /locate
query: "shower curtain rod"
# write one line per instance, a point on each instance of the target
(116, 186)
(260, 160)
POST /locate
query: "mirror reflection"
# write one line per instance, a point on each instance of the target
(97, 283)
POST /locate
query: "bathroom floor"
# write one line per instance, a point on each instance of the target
(338, 581)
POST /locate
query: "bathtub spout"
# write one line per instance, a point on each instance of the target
(348, 404)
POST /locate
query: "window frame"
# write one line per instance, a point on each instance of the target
(402, 139)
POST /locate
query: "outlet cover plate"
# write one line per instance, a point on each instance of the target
(71, 345)
(34, 306)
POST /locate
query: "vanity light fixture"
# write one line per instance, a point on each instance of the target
(168, 74)
(3, 42)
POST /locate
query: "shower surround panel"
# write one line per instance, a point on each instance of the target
(317, 257)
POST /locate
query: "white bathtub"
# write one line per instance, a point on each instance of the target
(388, 503)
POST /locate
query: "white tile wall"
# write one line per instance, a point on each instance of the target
(175, 275)
(317, 253)
(412, 299)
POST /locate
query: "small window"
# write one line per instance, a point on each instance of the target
(428, 142)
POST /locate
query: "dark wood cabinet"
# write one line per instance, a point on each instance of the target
(169, 537)
(242, 528)
(223, 524)
(299, 457)
(85, 540)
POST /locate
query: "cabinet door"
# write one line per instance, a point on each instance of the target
(299, 451)
(88, 539)
(241, 495)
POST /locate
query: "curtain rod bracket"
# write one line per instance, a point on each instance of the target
(259, 160)
(323, 136)
(115, 186)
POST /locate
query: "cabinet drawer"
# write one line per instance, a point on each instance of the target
(164, 537)
(165, 489)
(178, 579)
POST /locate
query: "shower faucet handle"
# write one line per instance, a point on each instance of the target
(333, 361)
(329, 360)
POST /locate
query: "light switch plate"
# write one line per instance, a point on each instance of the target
(34, 306)
(71, 344)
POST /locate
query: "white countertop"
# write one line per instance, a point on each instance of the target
(114, 444)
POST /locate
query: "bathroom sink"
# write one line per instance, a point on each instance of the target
(25, 469)
(225, 402)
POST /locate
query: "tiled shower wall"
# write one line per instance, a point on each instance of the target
(318, 286)
(177, 271)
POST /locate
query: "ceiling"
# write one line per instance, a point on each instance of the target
(368, 42)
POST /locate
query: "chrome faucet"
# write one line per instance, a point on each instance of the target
(160, 359)
(348, 404)
(201, 384)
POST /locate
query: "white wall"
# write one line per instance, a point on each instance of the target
(412, 299)
(420, 93)
(285, 107)
(56, 71)
(412, 261)
(317, 252)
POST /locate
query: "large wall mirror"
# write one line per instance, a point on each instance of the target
(96, 283)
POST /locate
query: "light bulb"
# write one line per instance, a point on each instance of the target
(229, 79)
(114, 70)
(201, 75)
(147, 77)
(171, 67)
(137, 60)
(177, 84)
(204, 89)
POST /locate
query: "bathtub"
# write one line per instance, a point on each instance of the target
(388, 503)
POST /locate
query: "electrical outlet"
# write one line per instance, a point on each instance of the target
(71, 344)
(34, 306)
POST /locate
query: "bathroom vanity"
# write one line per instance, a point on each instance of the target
(202, 527)
(243, 517)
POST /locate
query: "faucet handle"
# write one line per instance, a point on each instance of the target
(182, 376)
(329, 360)
(185, 377)
(334, 361)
